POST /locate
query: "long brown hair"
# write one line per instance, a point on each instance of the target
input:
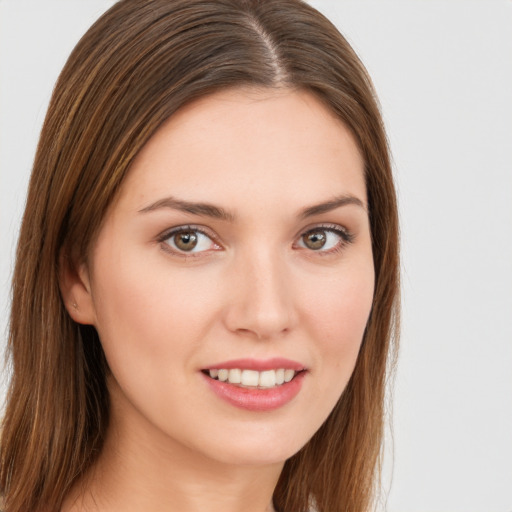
(138, 64)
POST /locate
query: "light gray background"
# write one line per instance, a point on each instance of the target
(443, 70)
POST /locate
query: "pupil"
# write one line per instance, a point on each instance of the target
(186, 241)
(315, 240)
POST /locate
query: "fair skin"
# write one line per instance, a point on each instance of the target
(281, 268)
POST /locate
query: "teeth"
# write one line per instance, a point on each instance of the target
(235, 376)
(288, 375)
(253, 378)
(250, 377)
(267, 379)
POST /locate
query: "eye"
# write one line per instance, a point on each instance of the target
(324, 239)
(188, 240)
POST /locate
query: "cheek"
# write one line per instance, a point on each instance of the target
(342, 304)
(147, 314)
(337, 316)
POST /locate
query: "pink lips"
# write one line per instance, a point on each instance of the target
(259, 365)
(254, 399)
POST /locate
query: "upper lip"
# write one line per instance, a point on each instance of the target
(260, 365)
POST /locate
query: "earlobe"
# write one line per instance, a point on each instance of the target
(75, 288)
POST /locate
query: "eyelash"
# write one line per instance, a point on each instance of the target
(346, 238)
(169, 234)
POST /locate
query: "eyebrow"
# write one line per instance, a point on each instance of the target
(332, 204)
(217, 212)
(203, 209)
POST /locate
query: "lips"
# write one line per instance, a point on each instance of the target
(256, 385)
(259, 365)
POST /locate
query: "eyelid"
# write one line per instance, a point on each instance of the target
(347, 237)
(170, 232)
(344, 232)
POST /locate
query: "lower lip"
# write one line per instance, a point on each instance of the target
(254, 399)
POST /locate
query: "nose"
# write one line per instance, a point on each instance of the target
(261, 302)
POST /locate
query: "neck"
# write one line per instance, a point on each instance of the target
(141, 468)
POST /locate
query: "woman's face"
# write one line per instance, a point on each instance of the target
(240, 244)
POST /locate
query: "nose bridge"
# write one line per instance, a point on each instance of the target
(263, 302)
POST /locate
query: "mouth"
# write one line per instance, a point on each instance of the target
(256, 385)
(253, 379)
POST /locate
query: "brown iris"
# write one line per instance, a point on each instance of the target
(185, 240)
(314, 239)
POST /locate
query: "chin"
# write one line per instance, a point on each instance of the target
(257, 454)
(259, 444)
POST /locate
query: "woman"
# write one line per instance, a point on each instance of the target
(207, 273)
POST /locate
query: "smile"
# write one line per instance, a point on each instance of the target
(256, 385)
(252, 378)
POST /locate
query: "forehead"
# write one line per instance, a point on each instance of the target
(243, 145)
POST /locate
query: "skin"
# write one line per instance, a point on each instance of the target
(253, 289)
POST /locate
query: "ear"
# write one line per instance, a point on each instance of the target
(75, 288)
